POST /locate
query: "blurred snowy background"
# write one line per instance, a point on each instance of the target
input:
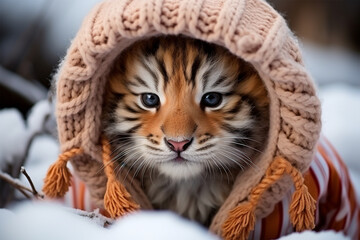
(35, 34)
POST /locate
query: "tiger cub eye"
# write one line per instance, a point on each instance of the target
(211, 99)
(150, 100)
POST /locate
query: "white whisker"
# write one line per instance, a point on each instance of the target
(244, 145)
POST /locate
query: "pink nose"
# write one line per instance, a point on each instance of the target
(178, 146)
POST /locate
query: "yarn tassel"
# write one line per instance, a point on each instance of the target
(302, 209)
(240, 223)
(58, 177)
(117, 199)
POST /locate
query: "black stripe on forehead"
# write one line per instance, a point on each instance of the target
(208, 49)
(205, 78)
(242, 76)
(152, 72)
(195, 68)
(161, 66)
(201, 51)
(152, 48)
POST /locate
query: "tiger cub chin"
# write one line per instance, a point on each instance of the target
(185, 117)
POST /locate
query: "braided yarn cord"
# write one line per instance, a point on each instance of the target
(117, 199)
(58, 177)
(241, 220)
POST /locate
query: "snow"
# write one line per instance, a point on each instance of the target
(12, 132)
(38, 115)
(324, 235)
(57, 223)
(16, 133)
(331, 64)
(341, 118)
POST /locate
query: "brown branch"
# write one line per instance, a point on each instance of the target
(34, 192)
(17, 184)
(18, 159)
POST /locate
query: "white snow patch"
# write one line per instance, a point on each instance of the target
(331, 64)
(15, 136)
(12, 135)
(58, 223)
(324, 235)
(47, 221)
(341, 119)
(5, 214)
(38, 115)
(44, 151)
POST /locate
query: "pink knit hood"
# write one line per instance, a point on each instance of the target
(250, 29)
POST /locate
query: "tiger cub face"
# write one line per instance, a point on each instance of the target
(185, 117)
(183, 108)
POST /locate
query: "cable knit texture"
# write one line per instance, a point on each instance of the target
(250, 29)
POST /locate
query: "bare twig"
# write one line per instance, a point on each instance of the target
(16, 183)
(18, 159)
(34, 192)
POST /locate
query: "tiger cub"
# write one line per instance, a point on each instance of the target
(185, 116)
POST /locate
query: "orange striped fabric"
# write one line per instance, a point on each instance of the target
(328, 182)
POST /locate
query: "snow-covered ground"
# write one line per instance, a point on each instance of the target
(49, 221)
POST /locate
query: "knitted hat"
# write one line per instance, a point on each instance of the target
(250, 29)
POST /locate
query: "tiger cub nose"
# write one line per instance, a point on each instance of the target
(178, 146)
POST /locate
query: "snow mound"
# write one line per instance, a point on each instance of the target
(324, 235)
(341, 118)
(331, 64)
(49, 221)
(12, 132)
